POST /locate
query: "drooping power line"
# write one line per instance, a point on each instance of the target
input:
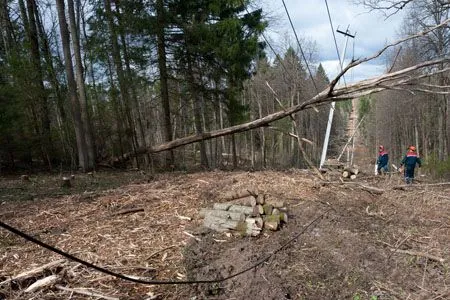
(300, 47)
(334, 36)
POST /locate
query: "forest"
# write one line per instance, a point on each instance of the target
(172, 149)
(85, 83)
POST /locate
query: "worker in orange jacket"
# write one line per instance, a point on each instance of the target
(409, 161)
(382, 161)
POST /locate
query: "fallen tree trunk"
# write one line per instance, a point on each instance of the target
(392, 80)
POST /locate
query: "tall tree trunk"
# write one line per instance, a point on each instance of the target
(129, 82)
(197, 110)
(199, 129)
(74, 28)
(124, 93)
(116, 107)
(38, 84)
(162, 64)
(51, 73)
(6, 28)
(72, 88)
(263, 137)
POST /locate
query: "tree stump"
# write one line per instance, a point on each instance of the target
(66, 182)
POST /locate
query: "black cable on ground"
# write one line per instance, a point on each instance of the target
(155, 282)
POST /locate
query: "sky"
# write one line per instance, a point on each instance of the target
(310, 18)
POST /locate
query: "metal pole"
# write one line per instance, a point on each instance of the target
(330, 115)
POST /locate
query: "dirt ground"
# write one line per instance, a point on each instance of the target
(343, 241)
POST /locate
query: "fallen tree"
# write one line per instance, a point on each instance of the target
(405, 79)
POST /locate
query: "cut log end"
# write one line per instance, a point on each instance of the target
(66, 182)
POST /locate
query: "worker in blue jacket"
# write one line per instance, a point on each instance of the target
(382, 161)
(409, 161)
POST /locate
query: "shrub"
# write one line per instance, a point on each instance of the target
(438, 168)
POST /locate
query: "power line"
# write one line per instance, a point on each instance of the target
(157, 282)
(334, 38)
(301, 50)
(270, 46)
(276, 54)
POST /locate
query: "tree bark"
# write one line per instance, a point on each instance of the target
(90, 164)
(124, 93)
(6, 28)
(38, 84)
(62, 122)
(72, 87)
(197, 112)
(163, 75)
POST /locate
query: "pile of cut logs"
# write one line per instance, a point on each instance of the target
(350, 172)
(246, 212)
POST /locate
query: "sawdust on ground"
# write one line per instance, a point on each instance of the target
(363, 246)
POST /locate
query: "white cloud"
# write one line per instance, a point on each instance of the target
(360, 72)
(310, 19)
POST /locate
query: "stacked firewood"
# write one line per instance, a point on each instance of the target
(246, 212)
(350, 172)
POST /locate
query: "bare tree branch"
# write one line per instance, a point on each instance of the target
(387, 7)
(376, 55)
(387, 81)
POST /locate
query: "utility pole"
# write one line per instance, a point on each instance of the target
(333, 104)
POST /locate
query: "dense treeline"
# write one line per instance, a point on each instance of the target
(404, 117)
(82, 83)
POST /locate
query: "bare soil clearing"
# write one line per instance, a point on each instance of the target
(394, 245)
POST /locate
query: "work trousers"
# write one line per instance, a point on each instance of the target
(409, 174)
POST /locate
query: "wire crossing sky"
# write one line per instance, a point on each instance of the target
(310, 20)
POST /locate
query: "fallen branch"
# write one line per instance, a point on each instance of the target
(371, 189)
(415, 253)
(86, 292)
(41, 283)
(404, 186)
(34, 272)
(127, 211)
(382, 286)
(159, 251)
(367, 188)
(443, 295)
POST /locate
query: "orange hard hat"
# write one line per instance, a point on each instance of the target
(412, 148)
